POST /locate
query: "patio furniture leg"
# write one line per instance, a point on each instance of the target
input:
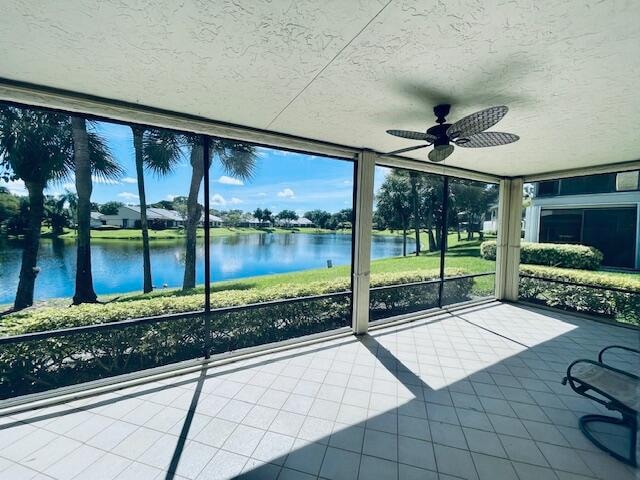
(628, 420)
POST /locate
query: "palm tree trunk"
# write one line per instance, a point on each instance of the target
(404, 239)
(144, 227)
(28, 269)
(84, 292)
(416, 213)
(194, 212)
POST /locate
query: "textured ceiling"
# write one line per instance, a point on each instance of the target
(345, 71)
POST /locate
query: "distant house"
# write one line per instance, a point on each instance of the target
(251, 221)
(300, 222)
(96, 220)
(490, 223)
(602, 211)
(128, 216)
(214, 221)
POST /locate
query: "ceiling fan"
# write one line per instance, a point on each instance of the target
(469, 132)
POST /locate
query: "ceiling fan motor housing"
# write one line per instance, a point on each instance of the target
(440, 132)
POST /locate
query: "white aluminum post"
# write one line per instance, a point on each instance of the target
(508, 242)
(362, 240)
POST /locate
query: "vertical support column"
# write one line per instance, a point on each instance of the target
(532, 227)
(508, 243)
(206, 156)
(362, 240)
(444, 236)
(638, 236)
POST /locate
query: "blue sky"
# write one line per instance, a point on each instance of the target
(282, 180)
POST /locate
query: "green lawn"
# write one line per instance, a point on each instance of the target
(463, 255)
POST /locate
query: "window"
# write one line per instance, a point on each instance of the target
(469, 273)
(281, 232)
(627, 181)
(545, 189)
(603, 183)
(405, 242)
(561, 226)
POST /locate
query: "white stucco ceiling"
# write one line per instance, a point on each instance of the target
(345, 71)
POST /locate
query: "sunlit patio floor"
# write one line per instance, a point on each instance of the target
(469, 394)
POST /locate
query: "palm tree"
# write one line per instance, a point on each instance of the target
(163, 150)
(413, 179)
(36, 147)
(237, 159)
(90, 154)
(138, 139)
(55, 215)
(394, 205)
(70, 199)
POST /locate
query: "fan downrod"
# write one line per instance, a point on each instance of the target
(441, 111)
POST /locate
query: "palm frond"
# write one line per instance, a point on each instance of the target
(162, 150)
(238, 159)
(103, 164)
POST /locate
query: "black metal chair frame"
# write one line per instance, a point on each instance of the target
(629, 416)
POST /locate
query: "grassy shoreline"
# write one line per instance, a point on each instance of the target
(176, 233)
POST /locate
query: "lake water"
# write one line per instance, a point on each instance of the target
(117, 265)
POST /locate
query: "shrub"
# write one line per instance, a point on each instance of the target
(551, 254)
(621, 306)
(39, 365)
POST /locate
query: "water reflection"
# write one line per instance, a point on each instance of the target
(117, 265)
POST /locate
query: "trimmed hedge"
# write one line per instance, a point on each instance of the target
(620, 306)
(40, 365)
(551, 254)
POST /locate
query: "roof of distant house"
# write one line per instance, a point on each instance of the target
(158, 213)
(299, 221)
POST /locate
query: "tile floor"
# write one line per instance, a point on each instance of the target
(475, 394)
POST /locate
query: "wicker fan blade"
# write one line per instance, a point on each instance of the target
(487, 139)
(408, 149)
(439, 154)
(412, 135)
(477, 122)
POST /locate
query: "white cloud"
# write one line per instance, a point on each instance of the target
(230, 181)
(235, 201)
(170, 197)
(217, 199)
(128, 196)
(15, 187)
(286, 193)
(261, 194)
(130, 180)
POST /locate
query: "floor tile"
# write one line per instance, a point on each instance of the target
(373, 468)
(306, 456)
(455, 462)
(492, 468)
(484, 442)
(243, 440)
(380, 444)
(347, 438)
(447, 434)
(523, 450)
(417, 453)
(340, 464)
(273, 448)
